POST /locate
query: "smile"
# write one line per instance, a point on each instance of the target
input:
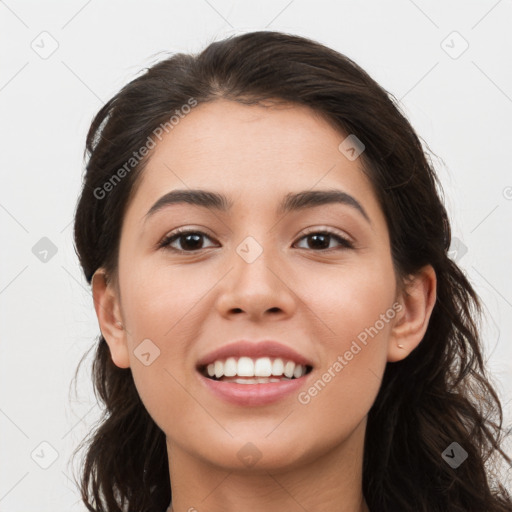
(247, 370)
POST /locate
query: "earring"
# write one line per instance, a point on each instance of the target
(400, 345)
(119, 324)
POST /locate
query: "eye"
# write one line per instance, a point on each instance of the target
(190, 240)
(321, 238)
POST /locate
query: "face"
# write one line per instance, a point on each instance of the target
(317, 279)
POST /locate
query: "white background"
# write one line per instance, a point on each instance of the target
(461, 107)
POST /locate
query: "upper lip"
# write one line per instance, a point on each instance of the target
(266, 348)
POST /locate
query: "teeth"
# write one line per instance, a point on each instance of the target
(260, 369)
(297, 372)
(230, 367)
(263, 367)
(277, 367)
(245, 367)
(219, 369)
(289, 369)
(258, 380)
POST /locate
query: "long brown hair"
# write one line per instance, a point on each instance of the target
(438, 395)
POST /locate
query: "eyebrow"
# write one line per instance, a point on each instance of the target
(291, 202)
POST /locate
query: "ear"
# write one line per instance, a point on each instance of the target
(106, 304)
(417, 300)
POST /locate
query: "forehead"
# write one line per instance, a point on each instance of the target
(252, 154)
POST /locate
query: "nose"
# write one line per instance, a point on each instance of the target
(258, 289)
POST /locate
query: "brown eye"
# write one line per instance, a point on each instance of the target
(320, 241)
(189, 240)
(193, 241)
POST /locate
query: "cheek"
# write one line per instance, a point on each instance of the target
(356, 313)
(159, 300)
(161, 307)
(353, 362)
(352, 299)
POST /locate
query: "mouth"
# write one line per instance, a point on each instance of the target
(247, 370)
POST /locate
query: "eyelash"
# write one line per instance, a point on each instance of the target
(165, 243)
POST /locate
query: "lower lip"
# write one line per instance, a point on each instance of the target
(253, 394)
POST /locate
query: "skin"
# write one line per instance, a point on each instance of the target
(312, 300)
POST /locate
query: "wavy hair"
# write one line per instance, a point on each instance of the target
(439, 394)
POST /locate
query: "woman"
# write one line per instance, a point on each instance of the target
(281, 325)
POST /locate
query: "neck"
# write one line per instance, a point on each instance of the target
(330, 482)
